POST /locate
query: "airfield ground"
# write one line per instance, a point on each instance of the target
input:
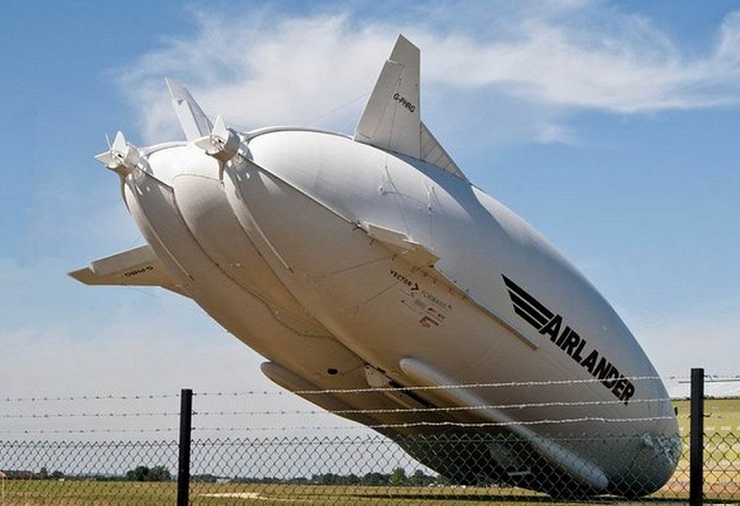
(122, 493)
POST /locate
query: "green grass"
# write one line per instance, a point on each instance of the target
(88, 493)
(35, 493)
(720, 416)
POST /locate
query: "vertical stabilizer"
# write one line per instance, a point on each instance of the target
(192, 119)
(392, 117)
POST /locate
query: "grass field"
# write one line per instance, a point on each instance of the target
(722, 482)
(32, 493)
(720, 416)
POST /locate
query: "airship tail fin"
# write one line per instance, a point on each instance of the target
(392, 117)
(433, 152)
(135, 267)
(193, 120)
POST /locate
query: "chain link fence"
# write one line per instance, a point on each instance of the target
(54, 452)
(342, 470)
(87, 472)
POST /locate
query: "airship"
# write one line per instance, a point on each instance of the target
(381, 284)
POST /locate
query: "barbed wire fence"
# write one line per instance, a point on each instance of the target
(145, 449)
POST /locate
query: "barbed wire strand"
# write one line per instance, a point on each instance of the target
(446, 424)
(91, 398)
(374, 426)
(402, 410)
(87, 415)
(422, 388)
(133, 397)
(88, 431)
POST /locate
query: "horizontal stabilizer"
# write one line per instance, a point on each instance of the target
(136, 267)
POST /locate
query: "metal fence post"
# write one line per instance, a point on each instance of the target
(186, 427)
(696, 442)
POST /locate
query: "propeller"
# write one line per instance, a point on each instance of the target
(222, 143)
(122, 157)
(217, 140)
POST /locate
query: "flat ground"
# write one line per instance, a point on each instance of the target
(34, 493)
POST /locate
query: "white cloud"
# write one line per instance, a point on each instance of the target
(302, 70)
(627, 66)
(262, 68)
(551, 133)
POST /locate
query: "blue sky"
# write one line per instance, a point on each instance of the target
(610, 127)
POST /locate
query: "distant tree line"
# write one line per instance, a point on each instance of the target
(139, 473)
(396, 478)
(144, 473)
(44, 474)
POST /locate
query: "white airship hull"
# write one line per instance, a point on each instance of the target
(348, 265)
